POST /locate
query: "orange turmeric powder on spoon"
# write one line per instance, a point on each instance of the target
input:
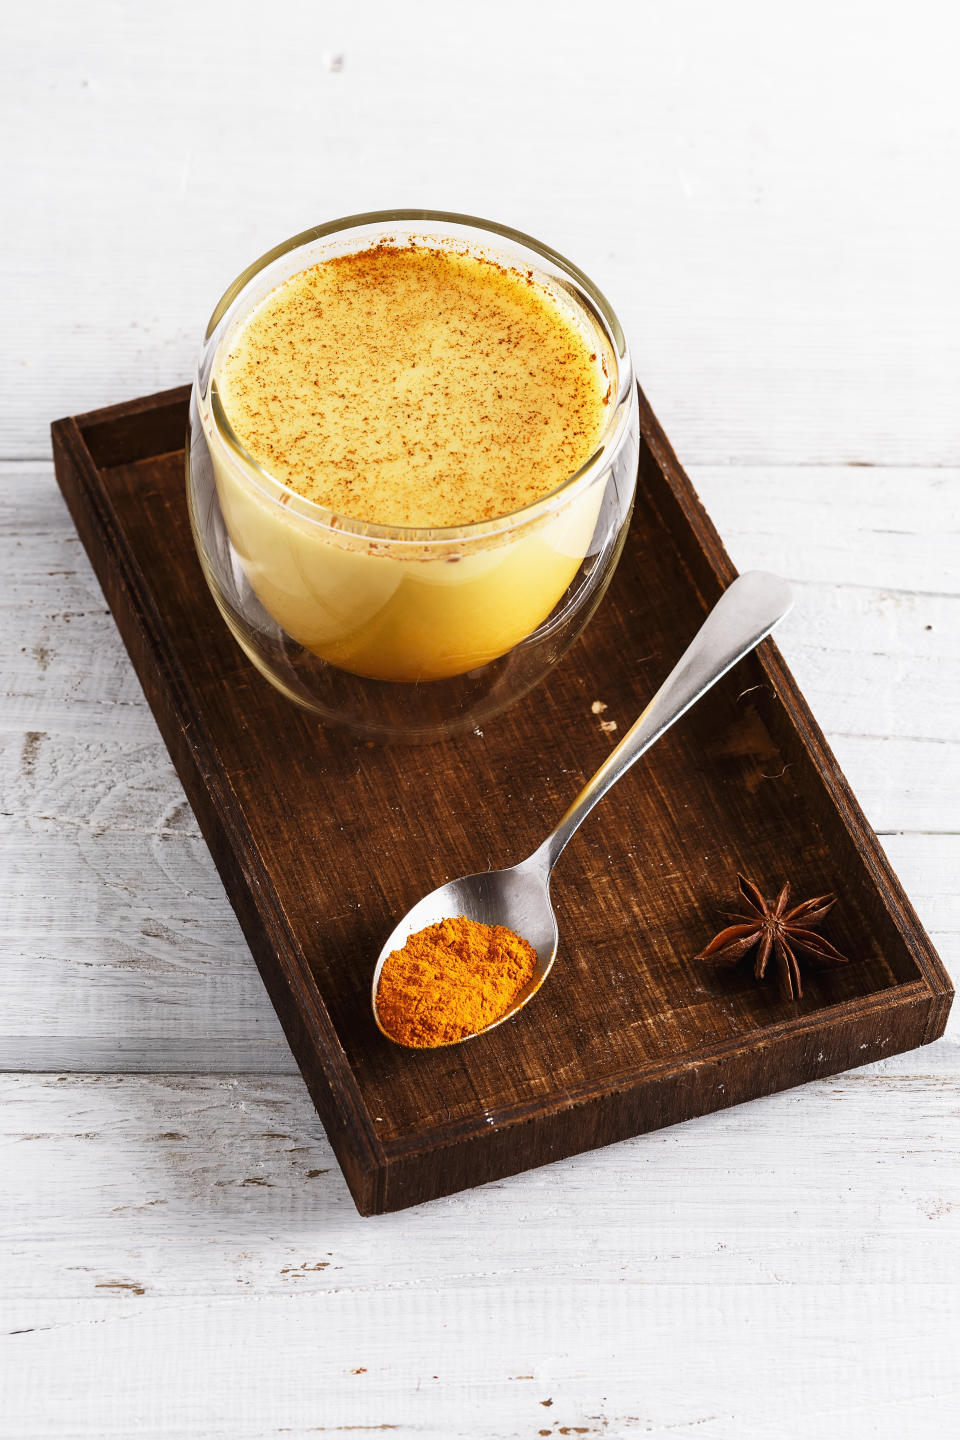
(450, 980)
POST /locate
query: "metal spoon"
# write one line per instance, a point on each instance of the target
(519, 898)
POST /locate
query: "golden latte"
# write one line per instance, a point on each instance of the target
(414, 387)
(411, 387)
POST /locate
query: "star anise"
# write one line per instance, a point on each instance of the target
(779, 932)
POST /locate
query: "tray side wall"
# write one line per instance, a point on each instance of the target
(896, 1021)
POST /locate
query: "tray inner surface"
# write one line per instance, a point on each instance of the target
(352, 833)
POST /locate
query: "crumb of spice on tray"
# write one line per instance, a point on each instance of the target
(450, 980)
(779, 932)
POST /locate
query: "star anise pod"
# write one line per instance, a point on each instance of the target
(779, 932)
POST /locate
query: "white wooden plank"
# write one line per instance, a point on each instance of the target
(172, 1047)
(903, 785)
(874, 662)
(267, 1209)
(204, 1223)
(928, 866)
(123, 953)
(63, 664)
(895, 528)
(614, 1359)
(773, 216)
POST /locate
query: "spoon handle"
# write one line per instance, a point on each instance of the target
(744, 614)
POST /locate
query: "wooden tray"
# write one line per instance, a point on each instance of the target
(323, 840)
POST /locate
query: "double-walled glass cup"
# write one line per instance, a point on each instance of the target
(402, 633)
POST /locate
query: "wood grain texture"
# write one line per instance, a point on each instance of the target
(237, 1167)
(493, 1358)
(634, 1035)
(207, 1221)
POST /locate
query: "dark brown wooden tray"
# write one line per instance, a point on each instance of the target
(323, 841)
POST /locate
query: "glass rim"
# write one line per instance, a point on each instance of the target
(351, 526)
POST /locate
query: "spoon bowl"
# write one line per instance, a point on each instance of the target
(519, 897)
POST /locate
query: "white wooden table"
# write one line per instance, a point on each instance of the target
(770, 200)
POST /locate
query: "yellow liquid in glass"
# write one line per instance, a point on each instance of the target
(412, 387)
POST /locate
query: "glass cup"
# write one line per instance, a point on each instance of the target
(402, 633)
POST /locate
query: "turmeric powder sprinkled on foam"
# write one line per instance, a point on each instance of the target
(414, 386)
(450, 980)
